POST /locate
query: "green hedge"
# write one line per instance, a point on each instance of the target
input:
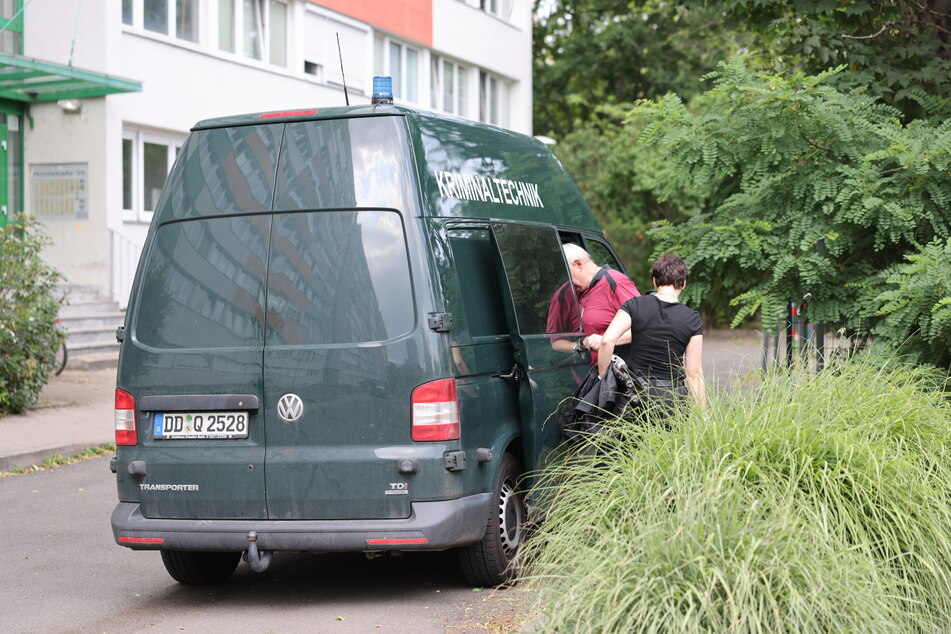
(806, 504)
(29, 304)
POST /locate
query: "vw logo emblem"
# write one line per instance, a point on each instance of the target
(290, 408)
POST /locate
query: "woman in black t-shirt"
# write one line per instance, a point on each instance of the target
(666, 336)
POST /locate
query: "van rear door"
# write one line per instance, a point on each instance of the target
(198, 338)
(340, 313)
(196, 333)
(343, 350)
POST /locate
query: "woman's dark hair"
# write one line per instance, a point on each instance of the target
(669, 270)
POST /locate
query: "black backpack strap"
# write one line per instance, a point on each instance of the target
(603, 272)
(611, 281)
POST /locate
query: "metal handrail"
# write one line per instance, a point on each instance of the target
(124, 254)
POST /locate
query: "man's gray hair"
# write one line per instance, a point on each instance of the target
(574, 252)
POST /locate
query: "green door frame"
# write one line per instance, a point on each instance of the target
(11, 156)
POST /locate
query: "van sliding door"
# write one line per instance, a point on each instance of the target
(535, 283)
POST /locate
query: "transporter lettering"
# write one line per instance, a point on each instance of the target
(168, 487)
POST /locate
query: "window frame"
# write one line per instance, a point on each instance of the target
(139, 137)
(383, 61)
(264, 42)
(501, 9)
(171, 7)
(498, 96)
(458, 97)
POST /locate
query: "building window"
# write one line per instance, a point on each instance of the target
(155, 16)
(493, 100)
(176, 18)
(146, 160)
(256, 29)
(11, 37)
(277, 39)
(499, 8)
(401, 62)
(321, 56)
(450, 86)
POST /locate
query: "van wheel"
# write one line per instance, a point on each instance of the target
(198, 568)
(493, 560)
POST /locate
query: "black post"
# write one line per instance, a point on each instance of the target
(804, 327)
(820, 327)
(789, 337)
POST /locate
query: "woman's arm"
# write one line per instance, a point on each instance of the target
(617, 327)
(693, 358)
(593, 342)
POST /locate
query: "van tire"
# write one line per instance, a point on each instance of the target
(199, 568)
(494, 559)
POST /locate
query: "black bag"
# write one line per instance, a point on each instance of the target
(595, 401)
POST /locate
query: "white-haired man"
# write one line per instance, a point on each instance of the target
(601, 291)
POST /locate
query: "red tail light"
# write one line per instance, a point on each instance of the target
(436, 411)
(125, 419)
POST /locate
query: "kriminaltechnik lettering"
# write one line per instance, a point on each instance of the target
(485, 189)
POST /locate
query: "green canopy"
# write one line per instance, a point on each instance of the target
(32, 80)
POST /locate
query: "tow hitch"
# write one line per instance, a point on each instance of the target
(258, 561)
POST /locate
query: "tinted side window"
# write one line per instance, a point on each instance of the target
(338, 277)
(345, 163)
(602, 255)
(204, 284)
(478, 281)
(223, 171)
(537, 276)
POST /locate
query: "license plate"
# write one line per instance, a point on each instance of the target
(185, 425)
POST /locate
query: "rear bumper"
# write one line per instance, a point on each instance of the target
(430, 526)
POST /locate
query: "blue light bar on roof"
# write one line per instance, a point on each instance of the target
(382, 90)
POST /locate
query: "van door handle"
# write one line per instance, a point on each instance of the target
(514, 376)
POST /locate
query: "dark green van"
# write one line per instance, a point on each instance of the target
(337, 341)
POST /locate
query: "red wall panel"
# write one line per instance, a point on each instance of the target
(412, 19)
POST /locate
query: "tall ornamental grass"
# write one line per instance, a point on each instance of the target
(805, 504)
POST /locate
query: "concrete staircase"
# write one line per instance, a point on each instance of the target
(90, 323)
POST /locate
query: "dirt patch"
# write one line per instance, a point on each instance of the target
(501, 610)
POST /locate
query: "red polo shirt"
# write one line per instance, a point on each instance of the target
(599, 303)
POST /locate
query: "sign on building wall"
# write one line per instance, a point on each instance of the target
(60, 191)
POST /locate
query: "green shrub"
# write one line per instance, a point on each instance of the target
(29, 335)
(917, 306)
(807, 504)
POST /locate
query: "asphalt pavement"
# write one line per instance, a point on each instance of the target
(76, 409)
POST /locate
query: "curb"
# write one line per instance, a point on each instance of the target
(36, 458)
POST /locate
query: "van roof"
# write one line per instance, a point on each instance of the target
(302, 114)
(466, 168)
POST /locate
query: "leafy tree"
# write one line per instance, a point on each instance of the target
(592, 53)
(29, 335)
(916, 316)
(810, 189)
(618, 177)
(896, 50)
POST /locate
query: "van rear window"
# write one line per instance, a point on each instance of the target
(338, 277)
(346, 163)
(204, 284)
(223, 171)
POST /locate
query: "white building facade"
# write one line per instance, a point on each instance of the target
(91, 166)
